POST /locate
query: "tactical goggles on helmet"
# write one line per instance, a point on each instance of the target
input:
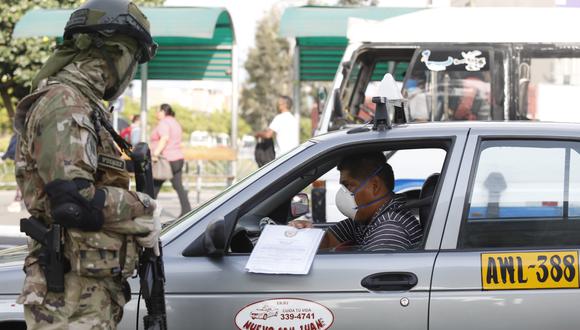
(87, 20)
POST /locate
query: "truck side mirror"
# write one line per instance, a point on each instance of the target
(346, 65)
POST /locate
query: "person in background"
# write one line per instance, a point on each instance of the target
(314, 117)
(283, 128)
(418, 101)
(10, 153)
(132, 133)
(475, 99)
(166, 142)
(135, 130)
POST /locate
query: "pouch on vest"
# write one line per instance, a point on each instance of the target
(95, 254)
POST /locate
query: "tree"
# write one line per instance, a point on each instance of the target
(189, 119)
(268, 66)
(20, 59)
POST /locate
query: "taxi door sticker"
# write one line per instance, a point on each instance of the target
(284, 314)
(529, 270)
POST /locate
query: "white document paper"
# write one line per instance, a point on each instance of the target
(285, 250)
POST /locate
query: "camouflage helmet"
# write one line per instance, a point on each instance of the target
(110, 17)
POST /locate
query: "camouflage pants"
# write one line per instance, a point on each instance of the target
(87, 303)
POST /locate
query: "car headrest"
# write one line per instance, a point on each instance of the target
(426, 194)
(429, 186)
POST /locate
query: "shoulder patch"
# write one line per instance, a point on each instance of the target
(111, 162)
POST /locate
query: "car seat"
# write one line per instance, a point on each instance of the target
(427, 192)
(425, 200)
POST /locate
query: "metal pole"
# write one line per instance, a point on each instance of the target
(433, 88)
(234, 111)
(198, 180)
(296, 85)
(144, 102)
(115, 119)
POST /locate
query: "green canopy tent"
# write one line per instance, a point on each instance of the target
(320, 33)
(194, 44)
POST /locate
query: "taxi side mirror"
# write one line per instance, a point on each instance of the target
(211, 244)
(300, 205)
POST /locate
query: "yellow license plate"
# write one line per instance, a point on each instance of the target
(529, 270)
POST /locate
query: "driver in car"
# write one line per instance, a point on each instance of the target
(377, 219)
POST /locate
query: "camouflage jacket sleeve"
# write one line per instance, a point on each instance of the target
(63, 143)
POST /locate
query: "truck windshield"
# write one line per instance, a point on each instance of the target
(397, 68)
(446, 85)
(454, 83)
(448, 82)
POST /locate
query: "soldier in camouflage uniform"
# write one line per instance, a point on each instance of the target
(62, 142)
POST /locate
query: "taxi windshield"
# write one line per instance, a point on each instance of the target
(181, 224)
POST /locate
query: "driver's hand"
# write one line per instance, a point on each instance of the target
(299, 224)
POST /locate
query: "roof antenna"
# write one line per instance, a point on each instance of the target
(389, 98)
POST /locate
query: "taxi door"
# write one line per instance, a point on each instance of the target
(509, 255)
(343, 290)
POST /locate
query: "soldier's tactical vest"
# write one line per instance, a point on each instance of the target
(101, 254)
(93, 254)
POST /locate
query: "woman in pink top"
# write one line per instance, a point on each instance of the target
(166, 141)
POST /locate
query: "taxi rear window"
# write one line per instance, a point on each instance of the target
(524, 194)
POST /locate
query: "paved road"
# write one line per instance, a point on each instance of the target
(9, 221)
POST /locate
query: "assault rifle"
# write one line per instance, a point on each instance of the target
(51, 258)
(151, 271)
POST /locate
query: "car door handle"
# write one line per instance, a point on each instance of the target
(398, 281)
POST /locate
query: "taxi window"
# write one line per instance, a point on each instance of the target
(312, 195)
(524, 193)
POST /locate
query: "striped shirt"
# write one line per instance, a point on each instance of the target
(392, 228)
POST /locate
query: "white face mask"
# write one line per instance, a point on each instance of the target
(346, 203)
